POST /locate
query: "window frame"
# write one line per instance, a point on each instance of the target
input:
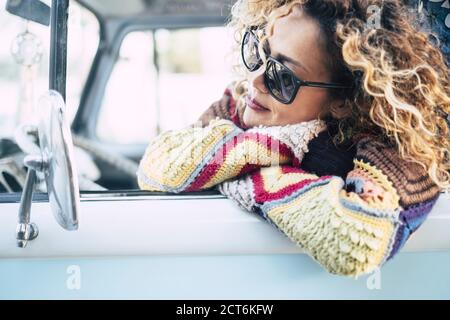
(112, 32)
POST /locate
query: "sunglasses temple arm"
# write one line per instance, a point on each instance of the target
(324, 85)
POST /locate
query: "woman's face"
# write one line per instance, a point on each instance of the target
(297, 37)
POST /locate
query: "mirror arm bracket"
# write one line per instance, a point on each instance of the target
(27, 231)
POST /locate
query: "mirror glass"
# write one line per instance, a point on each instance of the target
(56, 146)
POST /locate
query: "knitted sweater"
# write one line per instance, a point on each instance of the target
(350, 226)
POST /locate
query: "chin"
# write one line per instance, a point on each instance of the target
(252, 118)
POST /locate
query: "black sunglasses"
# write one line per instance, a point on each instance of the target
(281, 82)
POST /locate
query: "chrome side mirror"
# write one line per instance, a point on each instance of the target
(55, 160)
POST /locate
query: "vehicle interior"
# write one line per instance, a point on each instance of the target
(134, 61)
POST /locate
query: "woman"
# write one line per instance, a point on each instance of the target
(364, 94)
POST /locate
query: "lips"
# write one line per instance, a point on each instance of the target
(255, 105)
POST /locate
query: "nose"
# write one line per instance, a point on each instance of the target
(257, 80)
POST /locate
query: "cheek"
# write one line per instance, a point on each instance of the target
(306, 106)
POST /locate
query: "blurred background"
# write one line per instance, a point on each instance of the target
(193, 72)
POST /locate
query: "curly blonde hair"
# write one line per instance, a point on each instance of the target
(401, 81)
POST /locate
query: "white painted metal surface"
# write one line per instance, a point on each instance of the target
(143, 226)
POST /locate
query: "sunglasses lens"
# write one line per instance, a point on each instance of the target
(280, 81)
(250, 54)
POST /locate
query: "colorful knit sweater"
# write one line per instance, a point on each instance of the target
(350, 226)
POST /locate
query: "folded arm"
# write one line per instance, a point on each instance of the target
(349, 227)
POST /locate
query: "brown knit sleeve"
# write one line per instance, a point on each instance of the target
(224, 108)
(409, 179)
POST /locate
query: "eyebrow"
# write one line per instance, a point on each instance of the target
(283, 58)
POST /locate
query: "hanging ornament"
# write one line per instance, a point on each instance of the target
(27, 49)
